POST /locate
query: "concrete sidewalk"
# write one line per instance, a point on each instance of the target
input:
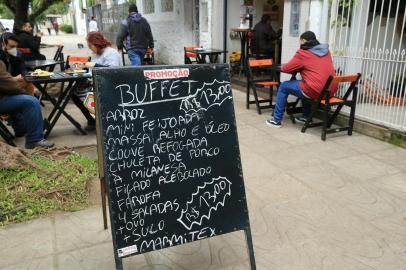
(334, 205)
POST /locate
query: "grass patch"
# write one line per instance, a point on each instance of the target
(26, 194)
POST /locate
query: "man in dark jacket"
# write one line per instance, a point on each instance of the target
(8, 54)
(30, 43)
(314, 63)
(137, 33)
(264, 37)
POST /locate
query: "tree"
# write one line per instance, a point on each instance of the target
(30, 10)
(5, 12)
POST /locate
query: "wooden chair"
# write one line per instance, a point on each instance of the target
(190, 57)
(24, 50)
(76, 59)
(255, 81)
(57, 57)
(328, 99)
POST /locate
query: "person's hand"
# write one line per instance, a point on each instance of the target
(40, 34)
(19, 78)
(90, 64)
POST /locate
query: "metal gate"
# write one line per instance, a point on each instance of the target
(369, 36)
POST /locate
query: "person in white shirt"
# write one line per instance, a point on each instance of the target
(103, 56)
(93, 25)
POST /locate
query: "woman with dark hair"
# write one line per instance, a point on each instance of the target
(105, 55)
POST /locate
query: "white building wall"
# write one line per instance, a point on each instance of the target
(80, 18)
(171, 30)
(290, 44)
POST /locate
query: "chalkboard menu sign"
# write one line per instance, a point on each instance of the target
(170, 152)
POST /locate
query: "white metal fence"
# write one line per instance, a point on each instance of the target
(368, 36)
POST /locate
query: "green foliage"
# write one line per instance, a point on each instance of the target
(26, 194)
(61, 8)
(5, 13)
(66, 28)
(345, 9)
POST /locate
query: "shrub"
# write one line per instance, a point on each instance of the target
(66, 28)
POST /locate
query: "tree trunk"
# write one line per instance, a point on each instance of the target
(13, 157)
(21, 14)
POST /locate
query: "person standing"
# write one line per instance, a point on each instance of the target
(93, 25)
(314, 63)
(48, 25)
(56, 26)
(30, 43)
(139, 35)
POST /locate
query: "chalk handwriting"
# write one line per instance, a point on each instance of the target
(206, 200)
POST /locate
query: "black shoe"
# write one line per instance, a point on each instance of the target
(271, 122)
(302, 119)
(41, 144)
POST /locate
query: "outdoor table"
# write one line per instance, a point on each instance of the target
(243, 34)
(212, 54)
(65, 95)
(35, 64)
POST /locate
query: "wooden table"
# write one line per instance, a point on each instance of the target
(73, 81)
(211, 54)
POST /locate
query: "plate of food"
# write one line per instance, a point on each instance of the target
(70, 70)
(40, 73)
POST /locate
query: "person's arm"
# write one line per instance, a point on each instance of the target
(270, 34)
(122, 33)
(8, 85)
(295, 64)
(34, 43)
(149, 35)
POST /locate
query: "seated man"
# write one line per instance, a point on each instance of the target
(24, 110)
(314, 63)
(14, 64)
(27, 40)
(264, 37)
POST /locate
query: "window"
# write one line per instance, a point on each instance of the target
(294, 18)
(149, 6)
(166, 5)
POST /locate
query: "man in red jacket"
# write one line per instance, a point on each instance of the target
(314, 63)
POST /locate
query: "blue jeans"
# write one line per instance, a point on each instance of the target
(26, 116)
(285, 89)
(136, 56)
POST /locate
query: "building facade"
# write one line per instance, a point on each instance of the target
(366, 36)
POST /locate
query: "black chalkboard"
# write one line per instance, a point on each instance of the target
(170, 155)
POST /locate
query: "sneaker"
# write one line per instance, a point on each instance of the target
(41, 144)
(271, 122)
(301, 119)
